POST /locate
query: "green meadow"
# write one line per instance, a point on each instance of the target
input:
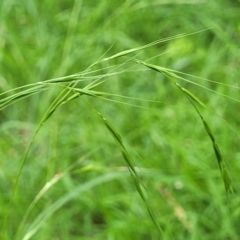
(119, 119)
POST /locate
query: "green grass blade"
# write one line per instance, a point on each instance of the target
(224, 173)
(132, 170)
(193, 98)
(50, 184)
(75, 192)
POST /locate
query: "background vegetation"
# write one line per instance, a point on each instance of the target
(74, 182)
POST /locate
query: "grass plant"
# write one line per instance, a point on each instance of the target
(108, 134)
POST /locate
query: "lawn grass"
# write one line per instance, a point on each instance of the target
(107, 136)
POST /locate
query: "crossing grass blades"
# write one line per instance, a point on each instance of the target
(69, 92)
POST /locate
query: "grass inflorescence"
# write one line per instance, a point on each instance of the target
(120, 148)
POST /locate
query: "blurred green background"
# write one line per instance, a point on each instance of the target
(96, 198)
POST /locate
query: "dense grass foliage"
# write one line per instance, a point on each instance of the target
(119, 119)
